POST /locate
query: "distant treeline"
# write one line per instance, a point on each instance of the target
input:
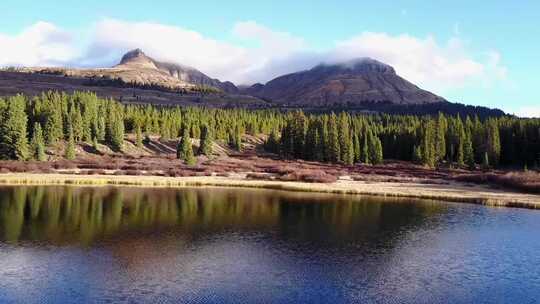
(28, 125)
(388, 107)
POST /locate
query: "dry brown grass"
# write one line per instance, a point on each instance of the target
(522, 181)
(452, 192)
(143, 161)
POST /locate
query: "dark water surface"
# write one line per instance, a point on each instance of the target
(206, 245)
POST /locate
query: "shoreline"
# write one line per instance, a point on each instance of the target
(451, 192)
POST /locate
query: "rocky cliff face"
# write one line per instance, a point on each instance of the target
(359, 81)
(138, 60)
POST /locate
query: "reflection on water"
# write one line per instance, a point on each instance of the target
(214, 245)
(70, 214)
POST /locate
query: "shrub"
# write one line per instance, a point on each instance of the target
(97, 172)
(310, 176)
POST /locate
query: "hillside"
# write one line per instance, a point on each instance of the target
(351, 83)
(137, 60)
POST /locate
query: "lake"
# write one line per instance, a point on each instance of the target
(66, 244)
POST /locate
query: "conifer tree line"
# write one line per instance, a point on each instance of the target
(30, 126)
(453, 140)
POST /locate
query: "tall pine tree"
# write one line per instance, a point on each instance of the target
(207, 140)
(13, 129)
(37, 144)
(184, 150)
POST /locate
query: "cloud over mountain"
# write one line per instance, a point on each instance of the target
(260, 55)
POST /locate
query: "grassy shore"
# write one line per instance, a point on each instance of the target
(455, 192)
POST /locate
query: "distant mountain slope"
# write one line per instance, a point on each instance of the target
(31, 84)
(136, 67)
(185, 74)
(360, 81)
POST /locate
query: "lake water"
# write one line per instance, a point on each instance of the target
(214, 245)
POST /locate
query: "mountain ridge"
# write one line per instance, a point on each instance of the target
(360, 85)
(362, 80)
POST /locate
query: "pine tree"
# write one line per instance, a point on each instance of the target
(195, 130)
(54, 123)
(13, 129)
(479, 140)
(323, 139)
(76, 123)
(374, 148)
(312, 141)
(70, 148)
(184, 150)
(365, 149)
(114, 128)
(101, 128)
(298, 124)
(333, 140)
(286, 141)
(272, 143)
(378, 155)
(356, 147)
(468, 150)
(427, 145)
(206, 141)
(95, 144)
(346, 154)
(493, 142)
(461, 143)
(440, 137)
(37, 144)
(138, 137)
(417, 154)
(237, 139)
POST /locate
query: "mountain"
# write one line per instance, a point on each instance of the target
(351, 83)
(138, 60)
(136, 67)
(364, 85)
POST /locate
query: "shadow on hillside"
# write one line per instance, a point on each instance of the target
(160, 148)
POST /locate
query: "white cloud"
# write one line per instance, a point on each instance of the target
(270, 41)
(40, 44)
(528, 111)
(421, 60)
(111, 38)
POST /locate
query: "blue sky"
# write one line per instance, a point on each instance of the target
(488, 51)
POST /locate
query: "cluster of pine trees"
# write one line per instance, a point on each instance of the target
(470, 141)
(28, 126)
(330, 138)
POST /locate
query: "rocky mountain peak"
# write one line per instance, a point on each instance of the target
(137, 57)
(354, 82)
(364, 65)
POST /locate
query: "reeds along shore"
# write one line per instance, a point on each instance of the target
(453, 192)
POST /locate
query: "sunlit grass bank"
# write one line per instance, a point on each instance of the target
(455, 192)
